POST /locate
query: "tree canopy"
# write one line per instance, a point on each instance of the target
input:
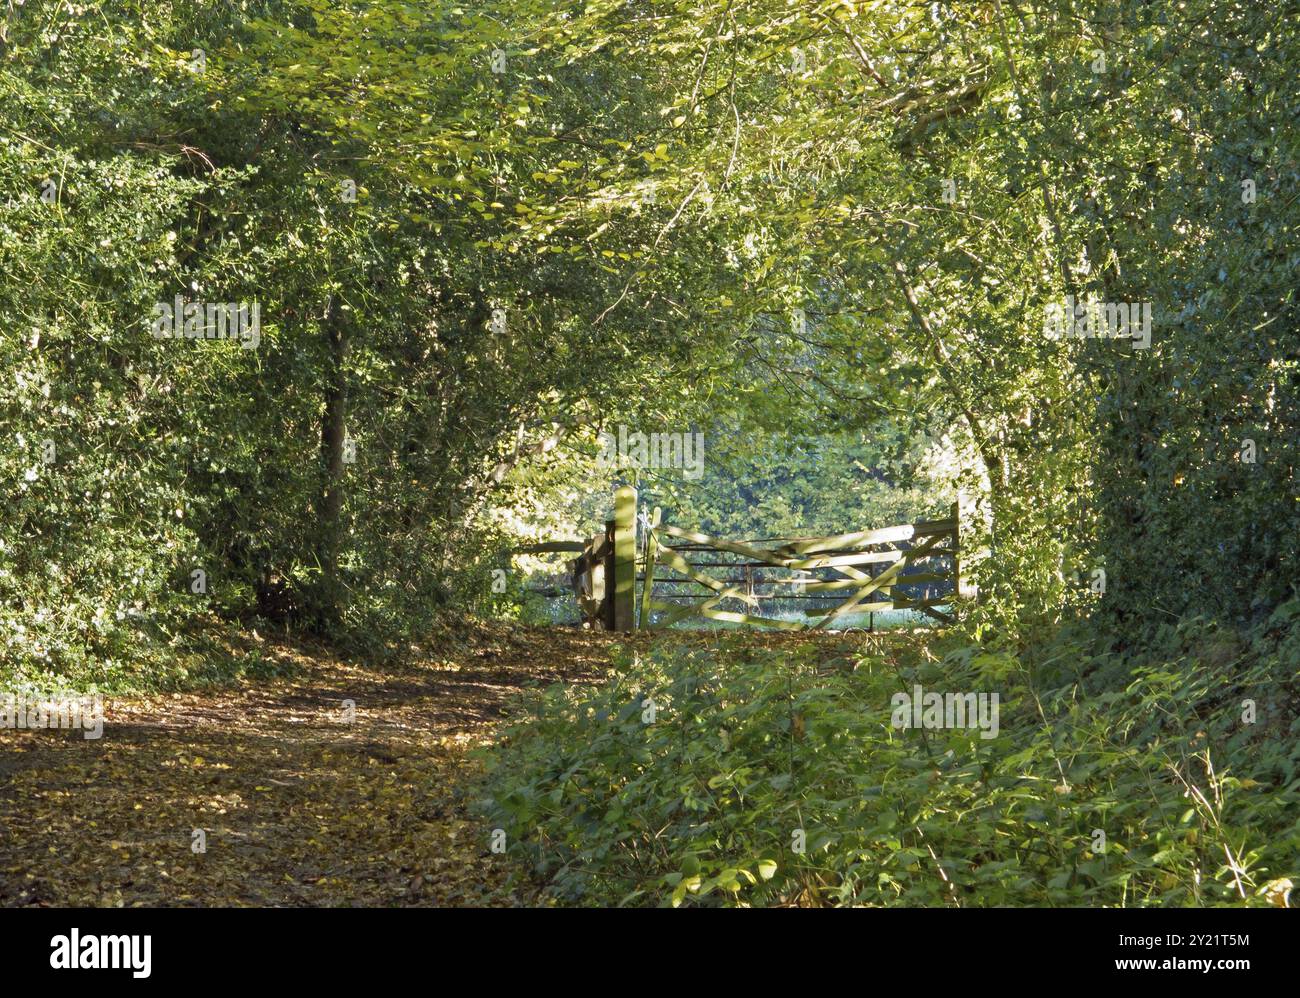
(479, 235)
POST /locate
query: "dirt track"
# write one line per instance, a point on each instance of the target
(299, 805)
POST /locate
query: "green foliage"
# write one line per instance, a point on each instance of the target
(220, 178)
(748, 744)
(649, 199)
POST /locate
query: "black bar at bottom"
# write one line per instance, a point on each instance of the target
(216, 947)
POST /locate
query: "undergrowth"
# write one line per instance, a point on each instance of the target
(749, 771)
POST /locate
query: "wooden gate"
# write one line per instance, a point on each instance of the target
(819, 568)
(867, 571)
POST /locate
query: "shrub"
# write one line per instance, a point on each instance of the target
(687, 778)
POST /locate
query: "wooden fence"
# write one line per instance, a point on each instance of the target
(871, 570)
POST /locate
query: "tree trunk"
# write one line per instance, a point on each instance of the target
(333, 436)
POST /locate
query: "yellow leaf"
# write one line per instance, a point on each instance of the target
(1279, 892)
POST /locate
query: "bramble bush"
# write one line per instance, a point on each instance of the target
(686, 777)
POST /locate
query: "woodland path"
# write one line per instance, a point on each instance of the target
(300, 807)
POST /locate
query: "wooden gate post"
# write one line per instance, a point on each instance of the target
(624, 588)
(648, 582)
(590, 583)
(607, 573)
